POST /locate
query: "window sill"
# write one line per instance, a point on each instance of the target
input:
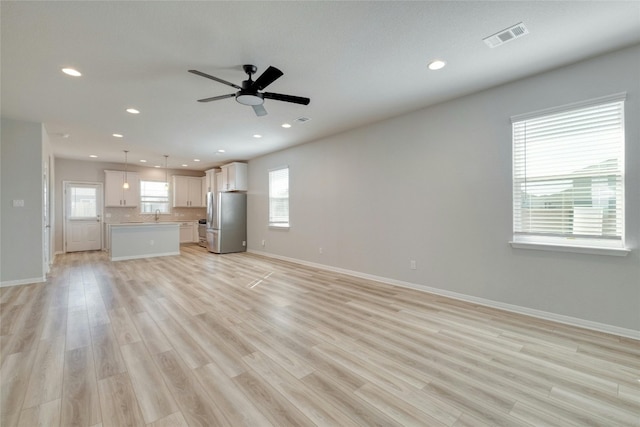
(279, 227)
(567, 248)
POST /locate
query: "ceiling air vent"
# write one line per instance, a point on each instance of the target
(302, 119)
(506, 35)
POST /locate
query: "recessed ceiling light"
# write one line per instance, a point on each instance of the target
(221, 151)
(156, 166)
(93, 156)
(286, 125)
(257, 136)
(196, 160)
(133, 111)
(71, 72)
(143, 161)
(117, 135)
(184, 166)
(436, 64)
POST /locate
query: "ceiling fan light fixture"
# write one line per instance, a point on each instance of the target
(249, 98)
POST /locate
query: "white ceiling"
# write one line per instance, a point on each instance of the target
(359, 62)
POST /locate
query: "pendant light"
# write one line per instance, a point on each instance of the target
(166, 173)
(126, 183)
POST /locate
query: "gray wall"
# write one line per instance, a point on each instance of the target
(435, 186)
(21, 241)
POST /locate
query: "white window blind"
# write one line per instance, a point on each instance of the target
(568, 175)
(279, 197)
(154, 195)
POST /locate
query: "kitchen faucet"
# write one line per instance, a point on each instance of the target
(157, 214)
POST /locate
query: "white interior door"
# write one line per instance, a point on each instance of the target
(83, 216)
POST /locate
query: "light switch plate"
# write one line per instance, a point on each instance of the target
(18, 203)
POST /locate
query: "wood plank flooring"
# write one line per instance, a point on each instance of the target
(241, 340)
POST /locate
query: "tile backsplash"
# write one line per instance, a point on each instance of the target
(118, 215)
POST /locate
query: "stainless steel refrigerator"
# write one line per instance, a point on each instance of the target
(226, 222)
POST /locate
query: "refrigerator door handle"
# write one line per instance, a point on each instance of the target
(210, 207)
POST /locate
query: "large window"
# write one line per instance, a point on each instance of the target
(279, 197)
(154, 196)
(568, 175)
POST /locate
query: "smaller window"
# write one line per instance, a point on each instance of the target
(279, 197)
(83, 202)
(154, 196)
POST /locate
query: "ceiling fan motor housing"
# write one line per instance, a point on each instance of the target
(247, 95)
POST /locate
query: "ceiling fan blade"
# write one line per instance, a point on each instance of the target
(287, 98)
(269, 76)
(200, 73)
(215, 98)
(259, 109)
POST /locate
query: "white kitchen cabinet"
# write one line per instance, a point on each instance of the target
(187, 192)
(186, 232)
(218, 183)
(115, 195)
(210, 180)
(234, 177)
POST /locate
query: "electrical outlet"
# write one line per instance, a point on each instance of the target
(320, 250)
(412, 264)
(264, 242)
(152, 242)
(244, 243)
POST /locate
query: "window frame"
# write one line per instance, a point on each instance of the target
(279, 225)
(570, 243)
(142, 202)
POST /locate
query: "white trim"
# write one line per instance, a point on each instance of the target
(545, 315)
(64, 210)
(567, 248)
(23, 282)
(123, 258)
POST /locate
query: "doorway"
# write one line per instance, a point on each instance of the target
(83, 216)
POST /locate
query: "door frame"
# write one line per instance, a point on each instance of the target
(47, 220)
(64, 211)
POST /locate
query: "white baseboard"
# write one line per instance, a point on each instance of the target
(22, 282)
(123, 258)
(545, 315)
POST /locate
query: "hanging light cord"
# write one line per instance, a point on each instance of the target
(126, 182)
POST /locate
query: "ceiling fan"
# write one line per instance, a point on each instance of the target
(249, 93)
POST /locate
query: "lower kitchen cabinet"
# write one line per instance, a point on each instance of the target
(188, 231)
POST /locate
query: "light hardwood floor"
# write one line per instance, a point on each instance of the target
(206, 340)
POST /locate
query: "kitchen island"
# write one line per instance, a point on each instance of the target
(143, 240)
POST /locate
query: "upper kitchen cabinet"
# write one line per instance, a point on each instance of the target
(187, 192)
(117, 196)
(210, 180)
(234, 177)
